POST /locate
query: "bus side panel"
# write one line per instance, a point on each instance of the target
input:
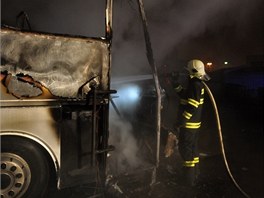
(38, 122)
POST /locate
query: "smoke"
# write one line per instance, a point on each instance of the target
(125, 158)
(179, 30)
(185, 30)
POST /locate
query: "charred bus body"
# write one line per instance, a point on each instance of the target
(54, 109)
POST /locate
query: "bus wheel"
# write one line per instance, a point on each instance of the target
(25, 171)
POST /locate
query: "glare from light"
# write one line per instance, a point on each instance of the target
(130, 93)
(225, 62)
(133, 93)
(209, 64)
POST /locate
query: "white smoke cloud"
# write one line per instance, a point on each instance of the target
(125, 158)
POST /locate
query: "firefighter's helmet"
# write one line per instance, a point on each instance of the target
(196, 68)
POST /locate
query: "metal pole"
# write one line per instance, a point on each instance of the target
(94, 127)
(155, 76)
(108, 19)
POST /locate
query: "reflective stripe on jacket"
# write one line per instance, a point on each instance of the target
(191, 163)
(191, 104)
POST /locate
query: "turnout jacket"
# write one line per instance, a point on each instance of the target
(191, 104)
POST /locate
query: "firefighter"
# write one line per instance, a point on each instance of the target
(189, 120)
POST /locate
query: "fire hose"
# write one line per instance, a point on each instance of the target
(222, 142)
(152, 64)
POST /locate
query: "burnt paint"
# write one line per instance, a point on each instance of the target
(60, 63)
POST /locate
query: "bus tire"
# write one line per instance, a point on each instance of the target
(25, 169)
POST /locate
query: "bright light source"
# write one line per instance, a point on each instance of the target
(209, 64)
(225, 62)
(133, 93)
(129, 93)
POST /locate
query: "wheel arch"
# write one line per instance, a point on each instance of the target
(43, 145)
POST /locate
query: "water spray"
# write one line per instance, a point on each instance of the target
(221, 140)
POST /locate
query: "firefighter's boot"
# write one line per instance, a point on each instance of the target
(170, 144)
(188, 176)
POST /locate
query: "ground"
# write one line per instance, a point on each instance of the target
(243, 140)
(241, 114)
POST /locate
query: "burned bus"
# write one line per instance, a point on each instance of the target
(55, 92)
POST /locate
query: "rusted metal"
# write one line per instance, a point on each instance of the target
(94, 124)
(62, 64)
(109, 19)
(156, 80)
(109, 148)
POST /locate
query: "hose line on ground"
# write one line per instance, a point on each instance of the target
(221, 140)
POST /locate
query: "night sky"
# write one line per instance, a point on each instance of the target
(210, 30)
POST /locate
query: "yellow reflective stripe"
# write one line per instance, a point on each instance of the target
(183, 101)
(193, 125)
(202, 91)
(193, 102)
(187, 115)
(189, 164)
(201, 100)
(196, 160)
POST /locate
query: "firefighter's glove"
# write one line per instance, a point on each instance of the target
(170, 144)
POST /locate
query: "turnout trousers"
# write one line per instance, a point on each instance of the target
(188, 149)
(188, 144)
